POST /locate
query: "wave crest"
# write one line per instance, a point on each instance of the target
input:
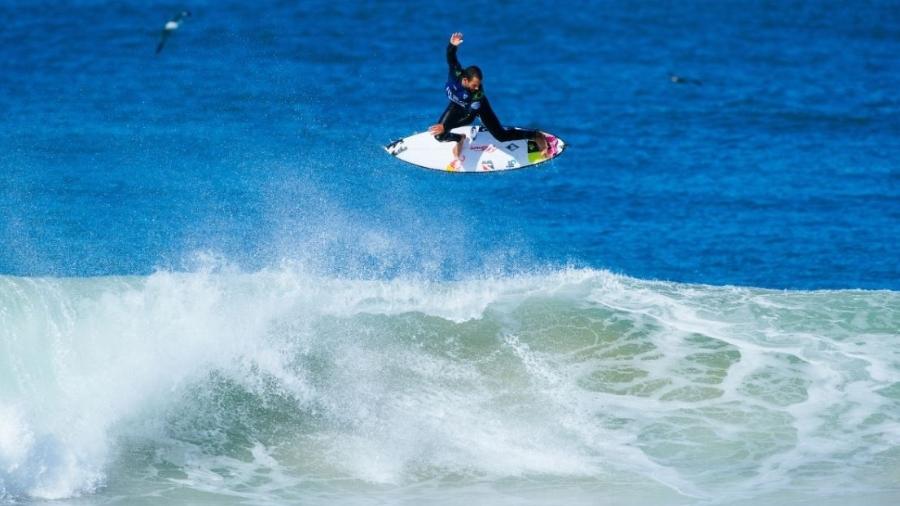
(284, 376)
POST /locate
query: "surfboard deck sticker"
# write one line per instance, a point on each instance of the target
(481, 152)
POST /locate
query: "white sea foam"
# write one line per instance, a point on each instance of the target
(262, 386)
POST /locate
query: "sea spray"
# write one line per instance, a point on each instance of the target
(282, 385)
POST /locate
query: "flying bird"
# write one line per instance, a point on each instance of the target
(684, 80)
(170, 27)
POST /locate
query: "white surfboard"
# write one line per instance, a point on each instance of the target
(481, 152)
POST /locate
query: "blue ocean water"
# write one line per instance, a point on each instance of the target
(256, 135)
(216, 287)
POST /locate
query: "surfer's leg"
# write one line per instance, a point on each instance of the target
(457, 148)
(454, 116)
(490, 121)
(457, 138)
(448, 137)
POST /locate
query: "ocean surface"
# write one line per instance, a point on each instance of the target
(217, 288)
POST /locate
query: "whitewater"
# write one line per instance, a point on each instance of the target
(560, 386)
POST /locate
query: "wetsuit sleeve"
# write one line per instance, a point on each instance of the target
(455, 68)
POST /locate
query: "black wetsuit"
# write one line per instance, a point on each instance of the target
(465, 106)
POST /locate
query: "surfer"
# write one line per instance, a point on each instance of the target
(467, 101)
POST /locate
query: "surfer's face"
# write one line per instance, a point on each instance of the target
(473, 84)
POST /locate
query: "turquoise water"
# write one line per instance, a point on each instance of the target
(216, 287)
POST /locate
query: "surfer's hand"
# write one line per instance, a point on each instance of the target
(436, 129)
(456, 39)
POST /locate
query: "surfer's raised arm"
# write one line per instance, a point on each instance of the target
(455, 68)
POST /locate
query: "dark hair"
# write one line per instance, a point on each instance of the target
(472, 71)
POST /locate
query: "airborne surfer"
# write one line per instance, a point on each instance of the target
(468, 101)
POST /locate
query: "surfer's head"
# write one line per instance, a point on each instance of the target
(471, 78)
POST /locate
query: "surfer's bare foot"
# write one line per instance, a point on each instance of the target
(543, 146)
